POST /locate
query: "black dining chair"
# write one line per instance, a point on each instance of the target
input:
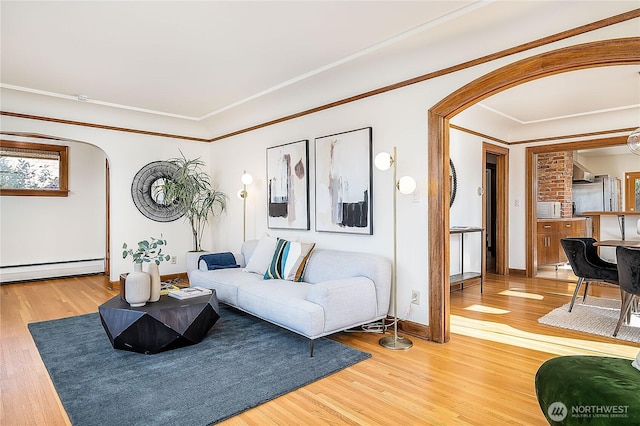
(629, 278)
(587, 265)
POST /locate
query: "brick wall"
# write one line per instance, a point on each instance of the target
(555, 171)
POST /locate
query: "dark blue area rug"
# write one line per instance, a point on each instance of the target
(242, 362)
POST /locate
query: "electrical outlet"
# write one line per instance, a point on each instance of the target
(415, 297)
(174, 259)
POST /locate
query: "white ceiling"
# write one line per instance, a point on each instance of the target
(194, 60)
(599, 152)
(578, 93)
(190, 58)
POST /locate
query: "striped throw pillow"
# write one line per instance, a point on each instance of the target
(289, 260)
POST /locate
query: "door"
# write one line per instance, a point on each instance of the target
(490, 211)
(496, 206)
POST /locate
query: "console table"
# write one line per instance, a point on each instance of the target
(464, 277)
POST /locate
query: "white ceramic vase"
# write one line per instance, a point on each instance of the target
(154, 274)
(137, 287)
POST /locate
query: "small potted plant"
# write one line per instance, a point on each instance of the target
(142, 287)
(147, 251)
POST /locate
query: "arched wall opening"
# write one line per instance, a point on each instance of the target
(49, 237)
(624, 51)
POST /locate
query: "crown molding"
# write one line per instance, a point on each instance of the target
(633, 14)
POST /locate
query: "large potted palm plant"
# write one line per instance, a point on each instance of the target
(191, 188)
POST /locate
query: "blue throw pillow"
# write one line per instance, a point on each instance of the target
(289, 260)
(219, 260)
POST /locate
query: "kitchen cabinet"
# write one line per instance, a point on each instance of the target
(549, 234)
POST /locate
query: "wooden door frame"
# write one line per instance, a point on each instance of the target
(531, 186)
(107, 248)
(629, 190)
(502, 203)
(625, 51)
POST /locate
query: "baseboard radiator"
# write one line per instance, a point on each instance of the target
(38, 271)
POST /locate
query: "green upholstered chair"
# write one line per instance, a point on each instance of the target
(589, 390)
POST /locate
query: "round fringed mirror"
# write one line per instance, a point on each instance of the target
(148, 195)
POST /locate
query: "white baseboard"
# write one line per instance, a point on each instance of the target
(51, 270)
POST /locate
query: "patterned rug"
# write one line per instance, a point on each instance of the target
(595, 316)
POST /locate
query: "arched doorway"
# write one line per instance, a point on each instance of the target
(81, 220)
(624, 51)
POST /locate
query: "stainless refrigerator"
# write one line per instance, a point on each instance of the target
(601, 195)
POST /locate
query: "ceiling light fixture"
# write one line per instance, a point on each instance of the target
(83, 98)
(633, 141)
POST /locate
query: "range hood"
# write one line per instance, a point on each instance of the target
(581, 174)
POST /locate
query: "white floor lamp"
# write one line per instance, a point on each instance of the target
(246, 179)
(406, 185)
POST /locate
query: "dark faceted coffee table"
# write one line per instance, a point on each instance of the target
(159, 326)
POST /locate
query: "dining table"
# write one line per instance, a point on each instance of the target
(616, 243)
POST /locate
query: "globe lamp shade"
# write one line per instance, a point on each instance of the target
(383, 161)
(407, 185)
(246, 179)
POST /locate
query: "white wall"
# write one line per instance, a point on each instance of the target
(126, 153)
(517, 208)
(465, 151)
(58, 229)
(397, 118)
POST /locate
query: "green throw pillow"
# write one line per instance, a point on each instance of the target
(289, 260)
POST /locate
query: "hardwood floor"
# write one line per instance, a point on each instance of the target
(562, 272)
(483, 376)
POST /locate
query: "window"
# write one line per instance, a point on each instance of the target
(33, 169)
(632, 195)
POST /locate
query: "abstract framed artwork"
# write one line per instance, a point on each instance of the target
(344, 182)
(288, 186)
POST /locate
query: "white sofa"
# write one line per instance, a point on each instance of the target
(340, 290)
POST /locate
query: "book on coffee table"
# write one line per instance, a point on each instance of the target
(189, 292)
(165, 288)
